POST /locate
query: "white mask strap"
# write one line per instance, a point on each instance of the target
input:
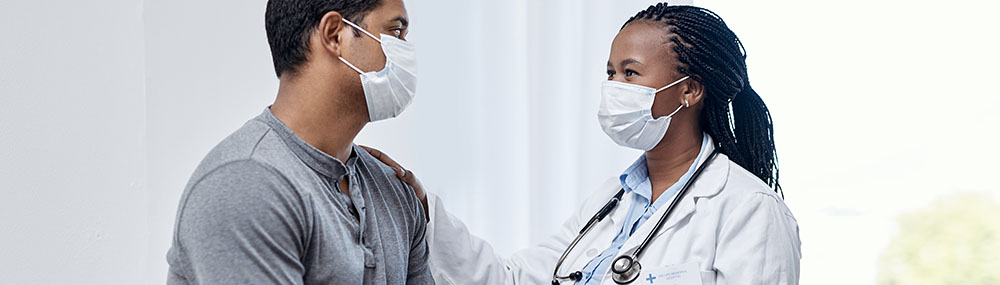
(350, 65)
(675, 111)
(671, 84)
(362, 30)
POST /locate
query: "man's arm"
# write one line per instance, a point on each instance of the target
(418, 269)
(242, 224)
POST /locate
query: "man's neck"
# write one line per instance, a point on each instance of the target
(667, 163)
(319, 119)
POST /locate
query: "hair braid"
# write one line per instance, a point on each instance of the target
(733, 114)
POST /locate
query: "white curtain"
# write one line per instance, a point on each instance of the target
(504, 127)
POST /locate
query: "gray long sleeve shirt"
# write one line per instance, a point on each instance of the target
(265, 207)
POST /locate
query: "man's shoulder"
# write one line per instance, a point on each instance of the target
(239, 145)
(374, 164)
(386, 176)
(236, 162)
(253, 143)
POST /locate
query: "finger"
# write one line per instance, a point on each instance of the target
(385, 159)
(374, 152)
(409, 177)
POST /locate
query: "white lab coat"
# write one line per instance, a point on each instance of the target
(730, 223)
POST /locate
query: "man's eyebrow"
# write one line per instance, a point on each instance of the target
(402, 20)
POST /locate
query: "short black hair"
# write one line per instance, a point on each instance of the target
(289, 23)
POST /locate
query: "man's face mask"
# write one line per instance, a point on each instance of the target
(389, 91)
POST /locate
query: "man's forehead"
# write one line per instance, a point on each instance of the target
(391, 10)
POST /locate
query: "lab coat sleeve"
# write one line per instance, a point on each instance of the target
(458, 257)
(759, 244)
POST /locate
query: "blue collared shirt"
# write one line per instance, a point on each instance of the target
(635, 181)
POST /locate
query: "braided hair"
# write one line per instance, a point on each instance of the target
(710, 53)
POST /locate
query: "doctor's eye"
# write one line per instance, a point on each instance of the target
(630, 73)
(611, 74)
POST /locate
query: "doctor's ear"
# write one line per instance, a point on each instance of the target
(692, 92)
(329, 32)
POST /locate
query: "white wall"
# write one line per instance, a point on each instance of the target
(73, 189)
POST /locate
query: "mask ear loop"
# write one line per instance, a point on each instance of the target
(350, 65)
(672, 85)
(675, 111)
(363, 31)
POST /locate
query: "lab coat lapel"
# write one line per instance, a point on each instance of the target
(711, 181)
(621, 212)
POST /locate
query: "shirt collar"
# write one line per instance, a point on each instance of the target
(319, 161)
(636, 177)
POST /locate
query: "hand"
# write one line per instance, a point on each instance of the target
(405, 175)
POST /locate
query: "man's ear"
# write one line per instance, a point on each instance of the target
(693, 92)
(329, 29)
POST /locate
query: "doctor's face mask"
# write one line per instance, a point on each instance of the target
(640, 98)
(390, 90)
(626, 117)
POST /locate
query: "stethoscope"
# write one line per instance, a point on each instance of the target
(626, 268)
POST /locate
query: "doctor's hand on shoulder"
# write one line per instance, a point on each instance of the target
(403, 174)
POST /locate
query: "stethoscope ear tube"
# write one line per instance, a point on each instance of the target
(626, 268)
(670, 208)
(576, 276)
(610, 206)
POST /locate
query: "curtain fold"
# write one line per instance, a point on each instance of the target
(504, 125)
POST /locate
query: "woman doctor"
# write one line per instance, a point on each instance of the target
(678, 89)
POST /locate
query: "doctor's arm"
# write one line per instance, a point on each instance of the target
(459, 257)
(759, 244)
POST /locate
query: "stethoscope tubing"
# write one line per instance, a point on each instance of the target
(608, 208)
(670, 208)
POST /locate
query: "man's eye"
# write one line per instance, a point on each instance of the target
(630, 73)
(611, 73)
(397, 32)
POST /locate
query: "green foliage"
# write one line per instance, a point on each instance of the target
(955, 241)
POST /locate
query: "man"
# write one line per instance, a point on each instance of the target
(288, 198)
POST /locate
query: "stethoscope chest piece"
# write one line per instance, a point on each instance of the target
(625, 269)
